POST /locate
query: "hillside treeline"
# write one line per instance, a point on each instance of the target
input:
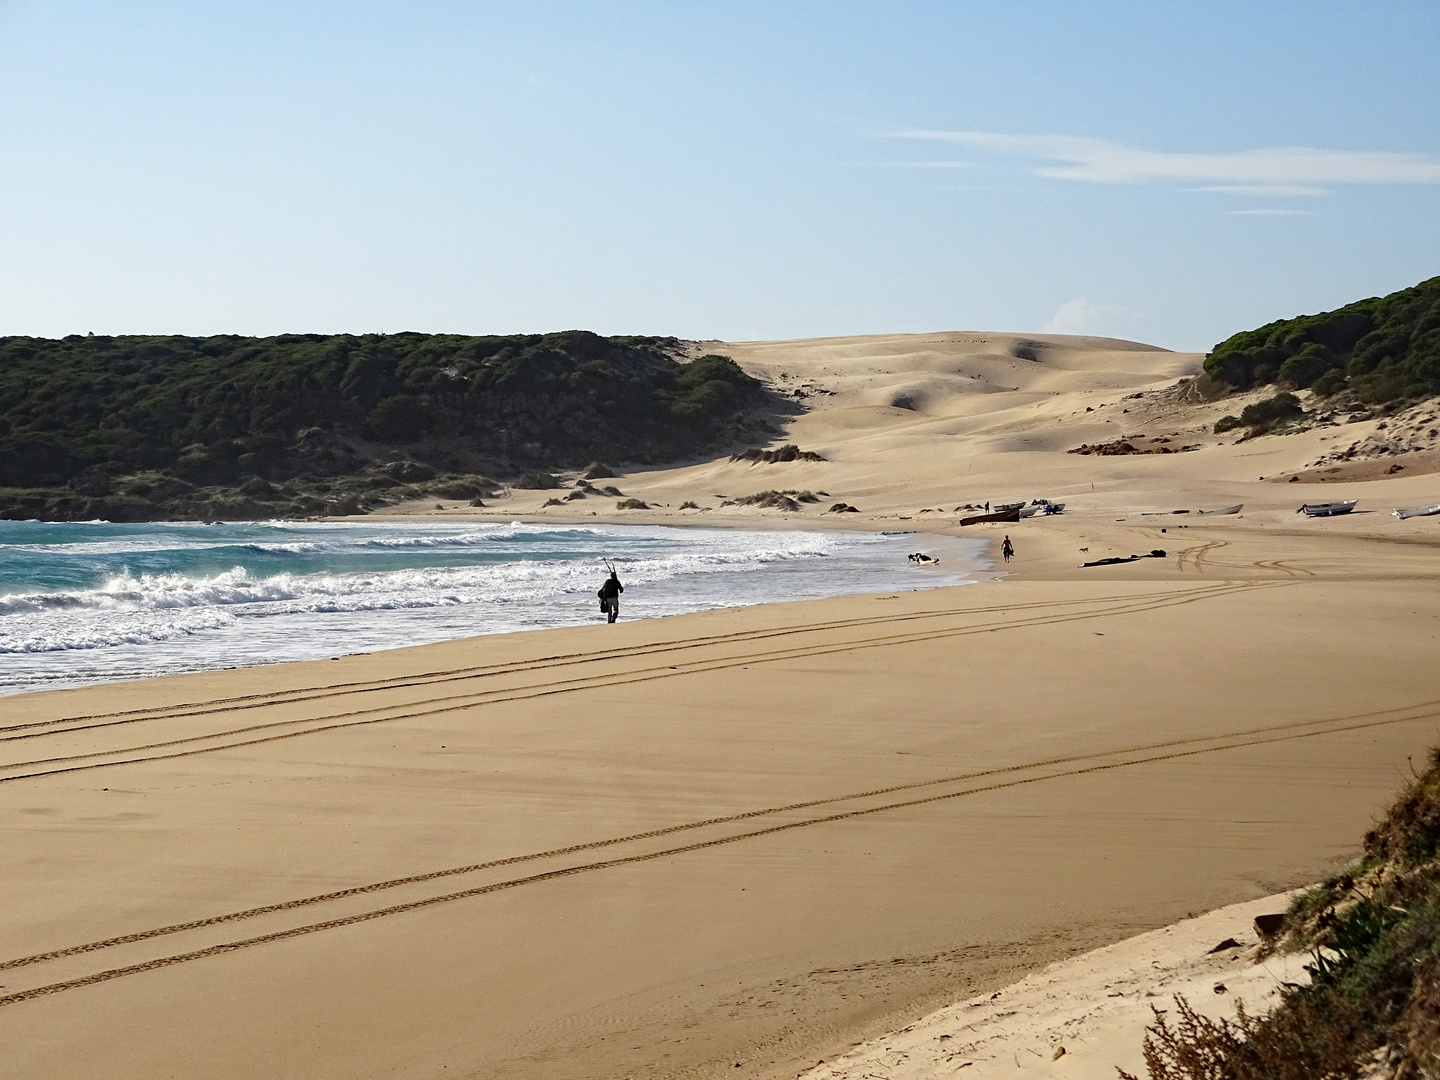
(1382, 349)
(190, 412)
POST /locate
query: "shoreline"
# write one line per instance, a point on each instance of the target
(676, 576)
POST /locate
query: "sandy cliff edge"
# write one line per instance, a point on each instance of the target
(1085, 1018)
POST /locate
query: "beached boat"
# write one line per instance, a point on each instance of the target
(1418, 511)
(1005, 508)
(1054, 508)
(1007, 515)
(1225, 509)
(1330, 509)
(1028, 511)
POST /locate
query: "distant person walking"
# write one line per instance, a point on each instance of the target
(1007, 549)
(610, 596)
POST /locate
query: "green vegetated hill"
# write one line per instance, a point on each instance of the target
(141, 427)
(1382, 349)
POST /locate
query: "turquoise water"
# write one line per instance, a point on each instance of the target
(94, 602)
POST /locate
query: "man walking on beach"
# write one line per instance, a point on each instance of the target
(1007, 549)
(610, 596)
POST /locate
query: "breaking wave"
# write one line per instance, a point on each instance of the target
(86, 602)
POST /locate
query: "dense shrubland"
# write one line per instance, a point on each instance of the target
(151, 426)
(1381, 349)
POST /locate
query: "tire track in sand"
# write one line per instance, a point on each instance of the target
(628, 860)
(456, 703)
(1424, 709)
(1197, 555)
(637, 652)
(324, 692)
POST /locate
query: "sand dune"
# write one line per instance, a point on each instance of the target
(978, 423)
(748, 837)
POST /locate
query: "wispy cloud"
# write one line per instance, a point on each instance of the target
(1101, 161)
(1270, 211)
(1284, 191)
(928, 165)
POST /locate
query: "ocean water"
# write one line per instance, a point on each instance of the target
(88, 602)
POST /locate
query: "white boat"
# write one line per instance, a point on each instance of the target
(1005, 508)
(1331, 509)
(1418, 511)
(1226, 509)
(1029, 511)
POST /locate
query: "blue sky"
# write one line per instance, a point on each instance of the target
(1167, 172)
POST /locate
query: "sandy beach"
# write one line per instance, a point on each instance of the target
(739, 842)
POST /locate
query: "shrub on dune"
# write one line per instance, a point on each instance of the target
(1373, 933)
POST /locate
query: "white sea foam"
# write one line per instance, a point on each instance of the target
(171, 598)
(66, 635)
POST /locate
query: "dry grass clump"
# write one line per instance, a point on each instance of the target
(1311, 1038)
(631, 504)
(1409, 833)
(788, 452)
(1263, 416)
(1373, 1002)
(775, 500)
(1121, 447)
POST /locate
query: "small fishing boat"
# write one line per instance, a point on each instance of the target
(1005, 508)
(1007, 515)
(1418, 511)
(1225, 509)
(1331, 509)
(1028, 511)
(1054, 508)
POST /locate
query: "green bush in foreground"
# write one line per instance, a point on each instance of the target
(1374, 936)
(1383, 348)
(1313, 1037)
